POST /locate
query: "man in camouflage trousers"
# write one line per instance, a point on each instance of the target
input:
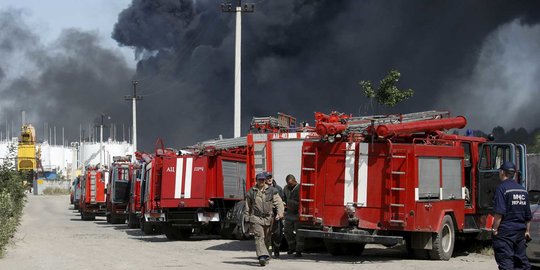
(258, 211)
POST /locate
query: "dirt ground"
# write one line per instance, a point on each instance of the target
(52, 236)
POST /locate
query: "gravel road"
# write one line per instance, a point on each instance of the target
(52, 236)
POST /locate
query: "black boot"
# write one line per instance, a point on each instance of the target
(276, 253)
(262, 260)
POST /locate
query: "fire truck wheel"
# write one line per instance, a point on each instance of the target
(147, 228)
(443, 241)
(226, 230)
(132, 221)
(108, 217)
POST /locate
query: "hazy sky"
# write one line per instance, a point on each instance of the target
(49, 18)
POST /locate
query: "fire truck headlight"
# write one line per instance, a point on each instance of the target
(331, 139)
(350, 210)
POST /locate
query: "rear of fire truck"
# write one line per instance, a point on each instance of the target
(93, 196)
(118, 189)
(398, 179)
(200, 186)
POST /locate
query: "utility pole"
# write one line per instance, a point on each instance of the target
(237, 59)
(134, 99)
(101, 161)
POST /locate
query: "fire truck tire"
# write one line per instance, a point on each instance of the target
(87, 216)
(226, 230)
(108, 218)
(147, 228)
(132, 221)
(443, 241)
(117, 220)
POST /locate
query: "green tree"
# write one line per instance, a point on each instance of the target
(534, 147)
(12, 198)
(387, 93)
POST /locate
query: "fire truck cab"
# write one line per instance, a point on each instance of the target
(400, 179)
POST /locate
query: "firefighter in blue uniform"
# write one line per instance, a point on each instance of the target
(512, 221)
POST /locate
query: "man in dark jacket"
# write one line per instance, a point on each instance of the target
(292, 200)
(277, 227)
(511, 225)
(259, 212)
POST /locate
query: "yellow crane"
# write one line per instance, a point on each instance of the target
(26, 153)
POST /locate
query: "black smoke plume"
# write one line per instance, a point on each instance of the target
(68, 83)
(301, 56)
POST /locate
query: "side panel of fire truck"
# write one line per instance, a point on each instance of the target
(381, 192)
(279, 153)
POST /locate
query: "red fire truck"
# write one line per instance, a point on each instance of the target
(92, 202)
(399, 178)
(118, 189)
(193, 190)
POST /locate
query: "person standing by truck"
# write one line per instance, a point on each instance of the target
(292, 200)
(277, 227)
(512, 221)
(261, 200)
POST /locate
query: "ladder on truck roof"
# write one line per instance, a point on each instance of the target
(361, 123)
(282, 122)
(221, 144)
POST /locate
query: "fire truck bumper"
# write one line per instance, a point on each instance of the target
(351, 237)
(155, 217)
(208, 217)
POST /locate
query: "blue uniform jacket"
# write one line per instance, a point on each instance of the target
(512, 202)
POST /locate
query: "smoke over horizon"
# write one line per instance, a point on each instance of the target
(477, 59)
(65, 84)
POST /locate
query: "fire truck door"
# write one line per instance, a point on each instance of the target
(521, 158)
(491, 156)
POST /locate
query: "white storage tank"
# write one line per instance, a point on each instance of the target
(90, 154)
(56, 157)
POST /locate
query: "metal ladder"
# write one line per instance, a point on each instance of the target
(308, 180)
(221, 144)
(361, 123)
(397, 184)
(93, 176)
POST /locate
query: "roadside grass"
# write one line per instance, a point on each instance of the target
(56, 191)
